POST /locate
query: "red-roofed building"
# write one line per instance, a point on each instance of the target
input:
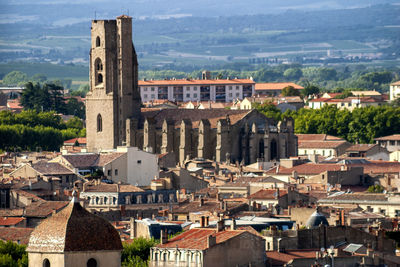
(185, 90)
(12, 222)
(210, 247)
(321, 144)
(278, 199)
(390, 142)
(349, 103)
(14, 105)
(273, 89)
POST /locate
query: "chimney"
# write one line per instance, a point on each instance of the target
(211, 241)
(133, 228)
(202, 221)
(163, 237)
(220, 225)
(233, 224)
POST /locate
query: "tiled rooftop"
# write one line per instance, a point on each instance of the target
(51, 168)
(393, 137)
(197, 238)
(15, 234)
(74, 229)
(268, 194)
(275, 86)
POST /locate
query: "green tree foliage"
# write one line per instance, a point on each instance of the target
(29, 130)
(15, 78)
(290, 91)
(293, 74)
(50, 97)
(361, 125)
(268, 109)
(75, 107)
(137, 253)
(39, 77)
(375, 189)
(82, 91)
(310, 90)
(13, 255)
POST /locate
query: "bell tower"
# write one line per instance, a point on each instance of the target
(114, 94)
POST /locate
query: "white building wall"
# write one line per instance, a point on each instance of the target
(394, 92)
(142, 166)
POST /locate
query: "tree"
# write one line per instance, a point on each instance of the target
(290, 91)
(293, 73)
(12, 254)
(310, 90)
(75, 107)
(137, 253)
(15, 78)
(35, 97)
(39, 77)
(56, 93)
(269, 110)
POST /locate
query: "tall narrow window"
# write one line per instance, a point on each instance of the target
(99, 123)
(97, 41)
(46, 263)
(99, 78)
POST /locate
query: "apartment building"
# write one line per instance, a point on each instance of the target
(185, 90)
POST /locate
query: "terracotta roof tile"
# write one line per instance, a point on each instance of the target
(15, 234)
(321, 144)
(10, 221)
(91, 160)
(74, 229)
(267, 194)
(81, 140)
(275, 86)
(197, 238)
(317, 137)
(306, 169)
(51, 168)
(277, 258)
(394, 137)
(103, 187)
(361, 147)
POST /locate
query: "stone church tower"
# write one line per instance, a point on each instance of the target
(114, 95)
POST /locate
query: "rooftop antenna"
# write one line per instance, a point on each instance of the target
(95, 15)
(128, 11)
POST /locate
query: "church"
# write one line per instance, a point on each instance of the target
(114, 116)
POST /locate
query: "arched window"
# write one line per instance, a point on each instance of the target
(98, 68)
(91, 263)
(97, 41)
(99, 78)
(99, 123)
(46, 263)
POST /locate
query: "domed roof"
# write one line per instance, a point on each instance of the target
(74, 229)
(316, 219)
